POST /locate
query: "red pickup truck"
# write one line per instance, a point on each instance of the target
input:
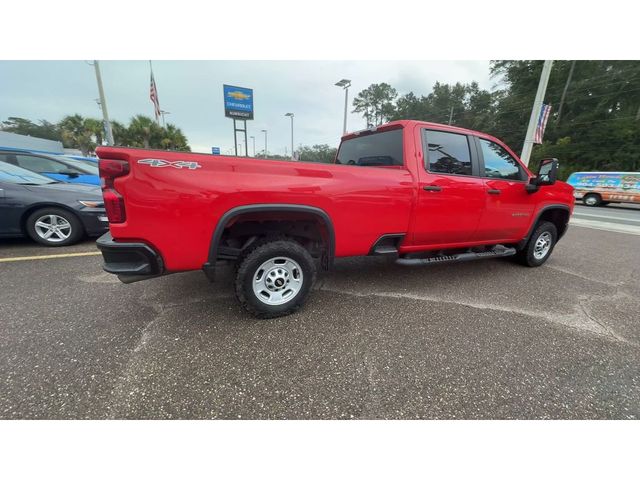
(417, 191)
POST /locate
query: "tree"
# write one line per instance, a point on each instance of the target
(376, 103)
(172, 138)
(78, 132)
(141, 130)
(465, 104)
(22, 126)
(317, 153)
(599, 129)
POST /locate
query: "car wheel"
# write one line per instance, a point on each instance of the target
(592, 200)
(54, 227)
(274, 278)
(539, 247)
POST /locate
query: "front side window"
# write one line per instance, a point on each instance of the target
(447, 153)
(498, 163)
(81, 166)
(383, 149)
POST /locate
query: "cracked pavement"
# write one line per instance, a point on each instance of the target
(487, 339)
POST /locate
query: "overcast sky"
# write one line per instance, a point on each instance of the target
(192, 92)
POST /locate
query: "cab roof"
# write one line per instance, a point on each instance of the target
(409, 123)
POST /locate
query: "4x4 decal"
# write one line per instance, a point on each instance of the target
(157, 162)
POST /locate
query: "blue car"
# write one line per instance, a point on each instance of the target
(56, 167)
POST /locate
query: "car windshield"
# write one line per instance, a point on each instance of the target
(14, 174)
(80, 165)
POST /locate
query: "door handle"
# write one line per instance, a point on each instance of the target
(432, 188)
(493, 191)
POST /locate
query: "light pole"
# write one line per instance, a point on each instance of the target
(291, 115)
(163, 113)
(265, 143)
(103, 105)
(254, 144)
(345, 84)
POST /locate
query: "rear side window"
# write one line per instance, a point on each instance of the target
(40, 164)
(383, 149)
(498, 163)
(447, 153)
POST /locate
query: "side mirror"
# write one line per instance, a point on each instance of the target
(70, 173)
(547, 175)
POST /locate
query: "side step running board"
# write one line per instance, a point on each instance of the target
(498, 251)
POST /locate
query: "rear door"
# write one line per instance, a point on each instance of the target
(451, 195)
(509, 207)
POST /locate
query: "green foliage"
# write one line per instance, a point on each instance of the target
(317, 153)
(22, 126)
(599, 128)
(75, 131)
(376, 103)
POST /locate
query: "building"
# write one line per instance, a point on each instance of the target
(13, 141)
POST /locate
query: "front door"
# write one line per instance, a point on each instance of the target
(451, 195)
(509, 206)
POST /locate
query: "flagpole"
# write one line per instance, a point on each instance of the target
(535, 111)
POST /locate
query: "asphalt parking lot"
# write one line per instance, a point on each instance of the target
(485, 339)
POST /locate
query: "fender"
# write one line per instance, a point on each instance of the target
(209, 267)
(558, 206)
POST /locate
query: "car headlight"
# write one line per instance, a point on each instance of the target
(92, 203)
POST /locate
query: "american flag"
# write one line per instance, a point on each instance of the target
(545, 111)
(153, 95)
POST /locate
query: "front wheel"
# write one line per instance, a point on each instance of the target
(540, 245)
(592, 200)
(275, 278)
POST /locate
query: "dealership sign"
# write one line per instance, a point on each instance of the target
(238, 102)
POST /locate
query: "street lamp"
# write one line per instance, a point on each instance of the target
(291, 115)
(163, 113)
(265, 143)
(254, 144)
(345, 84)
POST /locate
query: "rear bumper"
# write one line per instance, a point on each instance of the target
(131, 261)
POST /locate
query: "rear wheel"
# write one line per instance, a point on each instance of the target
(539, 247)
(592, 200)
(54, 227)
(275, 278)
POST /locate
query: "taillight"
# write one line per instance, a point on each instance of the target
(113, 201)
(112, 169)
(114, 205)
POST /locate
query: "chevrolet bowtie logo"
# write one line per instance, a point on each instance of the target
(238, 95)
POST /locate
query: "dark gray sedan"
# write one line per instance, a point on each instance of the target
(50, 212)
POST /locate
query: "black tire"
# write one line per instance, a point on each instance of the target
(592, 200)
(75, 231)
(528, 256)
(249, 268)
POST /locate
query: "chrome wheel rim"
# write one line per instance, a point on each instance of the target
(591, 200)
(277, 281)
(53, 228)
(542, 246)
